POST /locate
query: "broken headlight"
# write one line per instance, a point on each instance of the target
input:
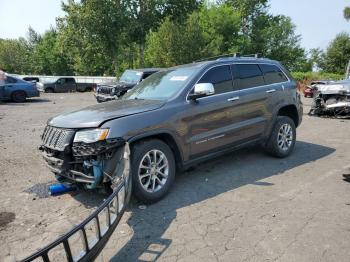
(91, 135)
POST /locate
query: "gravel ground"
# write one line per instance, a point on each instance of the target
(245, 206)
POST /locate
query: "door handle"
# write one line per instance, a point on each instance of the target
(233, 98)
(271, 91)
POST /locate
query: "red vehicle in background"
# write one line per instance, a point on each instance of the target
(310, 89)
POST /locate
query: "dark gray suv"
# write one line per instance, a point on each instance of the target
(175, 119)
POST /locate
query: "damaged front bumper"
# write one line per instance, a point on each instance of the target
(90, 164)
(104, 98)
(331, 105)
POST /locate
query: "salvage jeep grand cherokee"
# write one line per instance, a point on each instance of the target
(174, 119)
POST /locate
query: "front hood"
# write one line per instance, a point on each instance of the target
(94, 116)
(340, 87)
(118, 85)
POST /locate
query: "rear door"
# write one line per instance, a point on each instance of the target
(251, 102)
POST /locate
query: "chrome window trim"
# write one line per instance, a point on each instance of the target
(239, 63)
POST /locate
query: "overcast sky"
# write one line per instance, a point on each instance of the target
(317, 21)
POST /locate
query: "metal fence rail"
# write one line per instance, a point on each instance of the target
(78, 79)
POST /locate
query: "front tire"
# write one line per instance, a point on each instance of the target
(153, 170)
(282, 139)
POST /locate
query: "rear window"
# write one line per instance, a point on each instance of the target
(249, 75)
(273, 74)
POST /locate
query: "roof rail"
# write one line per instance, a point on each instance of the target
(228, 56)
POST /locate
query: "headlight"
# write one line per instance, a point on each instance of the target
(91, 135)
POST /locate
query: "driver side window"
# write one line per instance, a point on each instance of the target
(61, 81)
(220, 77)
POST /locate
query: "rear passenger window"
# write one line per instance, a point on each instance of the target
(69, 80)
(273, 74)
(220, 77)
(249, 75)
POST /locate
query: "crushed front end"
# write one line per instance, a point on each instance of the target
(332, 101)
(83, 156)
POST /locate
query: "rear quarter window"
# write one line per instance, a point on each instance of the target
(273, 74)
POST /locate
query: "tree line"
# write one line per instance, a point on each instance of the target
(104, 37)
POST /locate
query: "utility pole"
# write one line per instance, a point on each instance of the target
(347, 73)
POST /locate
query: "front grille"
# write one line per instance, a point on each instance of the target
(105, 90)
(57, 138)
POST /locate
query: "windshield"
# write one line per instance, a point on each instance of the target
(162, 85)
(131, 76)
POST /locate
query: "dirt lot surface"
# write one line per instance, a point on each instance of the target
(245, 206)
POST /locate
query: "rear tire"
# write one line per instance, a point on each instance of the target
(19, 96)
(153, 170)
(282, 138)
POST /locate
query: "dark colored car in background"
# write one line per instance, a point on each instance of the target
(175, 119)
(130, 78)
(65, 84)
(18, 90)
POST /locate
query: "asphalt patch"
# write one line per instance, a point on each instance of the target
(6, 218)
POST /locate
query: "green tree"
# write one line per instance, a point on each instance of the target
(274, 37)
(147, 15)
(347, 13)
(92, 34)
(173, 43)
(48, 57)
(101, 36)
(337, 54)
(315, 57)
(15, 56)
(221, 26)
(210, 31)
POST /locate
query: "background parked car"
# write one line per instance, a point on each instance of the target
(18, 90)
(65, 84)
(129, 79)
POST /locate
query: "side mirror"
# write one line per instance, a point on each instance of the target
(202, 90)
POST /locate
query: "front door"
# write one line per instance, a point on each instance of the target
(209, 119)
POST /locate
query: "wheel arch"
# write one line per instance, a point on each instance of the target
(290, 111)
(49, 88)
(167, 138)
(18, 90)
